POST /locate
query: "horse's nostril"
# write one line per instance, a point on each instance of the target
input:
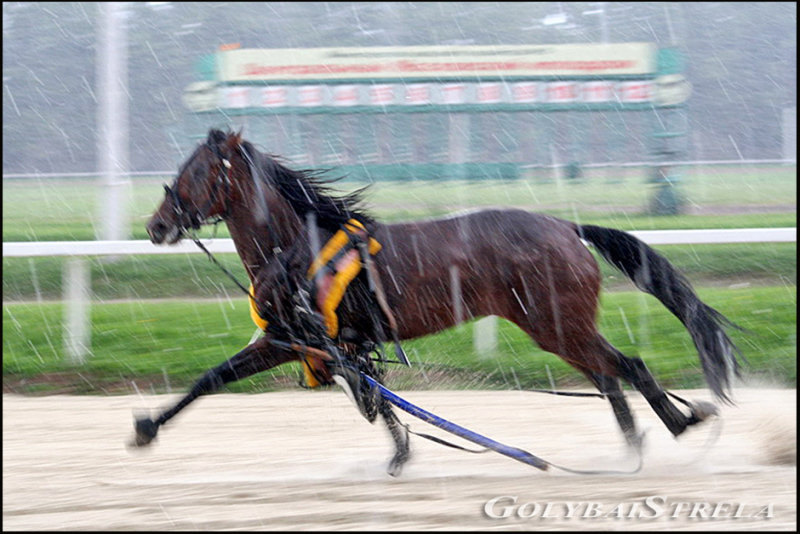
(156, 230)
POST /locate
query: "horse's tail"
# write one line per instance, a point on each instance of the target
(653, 274)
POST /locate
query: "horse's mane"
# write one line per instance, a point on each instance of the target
(309, 190)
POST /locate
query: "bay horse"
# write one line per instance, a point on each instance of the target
(531, 269)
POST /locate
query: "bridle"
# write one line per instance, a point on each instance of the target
(188, 220)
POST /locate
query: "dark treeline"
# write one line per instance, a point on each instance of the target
(741, 60)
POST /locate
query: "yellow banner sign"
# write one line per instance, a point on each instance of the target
(528, 61)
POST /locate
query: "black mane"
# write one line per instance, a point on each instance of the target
(309, 190)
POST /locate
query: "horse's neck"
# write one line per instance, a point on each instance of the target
(256, 243)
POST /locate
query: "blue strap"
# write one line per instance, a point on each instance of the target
(513, 452)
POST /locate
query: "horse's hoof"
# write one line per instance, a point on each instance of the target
(400, 458)
(396, 465)
(146, 430)
(702, 410)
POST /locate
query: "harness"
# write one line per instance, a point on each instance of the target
(338, 263)
(312, 364)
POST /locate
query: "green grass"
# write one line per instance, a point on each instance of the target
(169, 342)
(68, 209)
(598, 190)
(173, 342)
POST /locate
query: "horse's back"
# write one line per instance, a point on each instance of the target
(496, 232)
(483, 262)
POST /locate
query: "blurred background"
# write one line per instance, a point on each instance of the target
(638, 116)
(740, 59)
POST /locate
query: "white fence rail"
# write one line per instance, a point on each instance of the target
(220, 246)
(77, 296)
(109, 248)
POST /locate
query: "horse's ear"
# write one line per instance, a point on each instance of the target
(215, 137)
(234, 140)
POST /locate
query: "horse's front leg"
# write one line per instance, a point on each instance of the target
(399, 435)
(254, 358)
(369, 401)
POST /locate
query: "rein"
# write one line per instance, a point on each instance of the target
(218, 264)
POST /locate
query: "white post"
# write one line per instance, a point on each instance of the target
(77, 323)
(455, 295)
(672, 39)
(603, 22)
(601, 10)
(484, 336)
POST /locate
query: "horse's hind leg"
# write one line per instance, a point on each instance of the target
(592, 354)
(610, 386)
(255, 358)
(634, 371)
(583, 347)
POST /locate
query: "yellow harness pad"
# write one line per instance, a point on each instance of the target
(331, 287)
(260, 321)
(311, 380)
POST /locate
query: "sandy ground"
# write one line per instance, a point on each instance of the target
(305, 460)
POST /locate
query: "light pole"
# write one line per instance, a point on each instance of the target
(112, 121)
(112, 162)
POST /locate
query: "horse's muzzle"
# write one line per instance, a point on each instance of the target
(161, 232)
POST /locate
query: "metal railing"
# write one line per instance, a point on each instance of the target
(711, 163)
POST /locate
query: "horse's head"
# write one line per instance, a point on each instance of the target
(227, 178)
(202, 190)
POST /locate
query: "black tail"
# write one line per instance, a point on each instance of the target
(653, 274)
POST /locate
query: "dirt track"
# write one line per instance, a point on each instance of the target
(305, 460)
